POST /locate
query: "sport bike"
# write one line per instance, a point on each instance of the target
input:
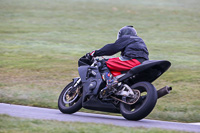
(135, 97)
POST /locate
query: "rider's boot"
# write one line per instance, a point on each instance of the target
(111, 81)
(111, 84)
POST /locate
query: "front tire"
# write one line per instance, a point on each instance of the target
(145, 104)
(70, 99)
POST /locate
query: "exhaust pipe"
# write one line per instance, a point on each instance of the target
(164, 91)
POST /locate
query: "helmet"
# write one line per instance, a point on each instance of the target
(126, 30)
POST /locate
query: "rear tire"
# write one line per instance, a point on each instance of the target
(72, 106)
(145, 104)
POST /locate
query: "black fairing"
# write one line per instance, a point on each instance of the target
(148, 71)
(95, 104)
(91, 80)
(92, 84)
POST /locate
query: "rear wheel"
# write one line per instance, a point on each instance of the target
(70, 99)
(143, 106)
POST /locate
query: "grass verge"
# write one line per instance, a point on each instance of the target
(18, 125)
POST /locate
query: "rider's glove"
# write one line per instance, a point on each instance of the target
(90, 55)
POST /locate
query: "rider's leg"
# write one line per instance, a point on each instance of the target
(115, 64)
(107, 76)
(118, 65)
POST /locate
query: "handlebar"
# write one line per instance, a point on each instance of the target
(85, 61)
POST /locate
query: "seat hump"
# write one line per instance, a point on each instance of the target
(160, 65)
(164, 64)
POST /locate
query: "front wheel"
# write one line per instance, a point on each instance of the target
(144, 105)
(70, 99)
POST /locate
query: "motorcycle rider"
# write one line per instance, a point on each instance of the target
(133, 53)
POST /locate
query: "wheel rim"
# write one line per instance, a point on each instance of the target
(67, 99)
(139, 103)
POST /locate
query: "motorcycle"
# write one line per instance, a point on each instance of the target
(134, 98)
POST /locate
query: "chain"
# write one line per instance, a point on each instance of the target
(137, 93)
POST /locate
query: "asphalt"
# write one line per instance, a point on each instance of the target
(55, 114)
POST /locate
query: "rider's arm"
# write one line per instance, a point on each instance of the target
(111, 49)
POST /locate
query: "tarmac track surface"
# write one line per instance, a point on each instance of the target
(55, 114)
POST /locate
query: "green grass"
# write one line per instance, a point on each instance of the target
(18, 125)
(41, 41)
